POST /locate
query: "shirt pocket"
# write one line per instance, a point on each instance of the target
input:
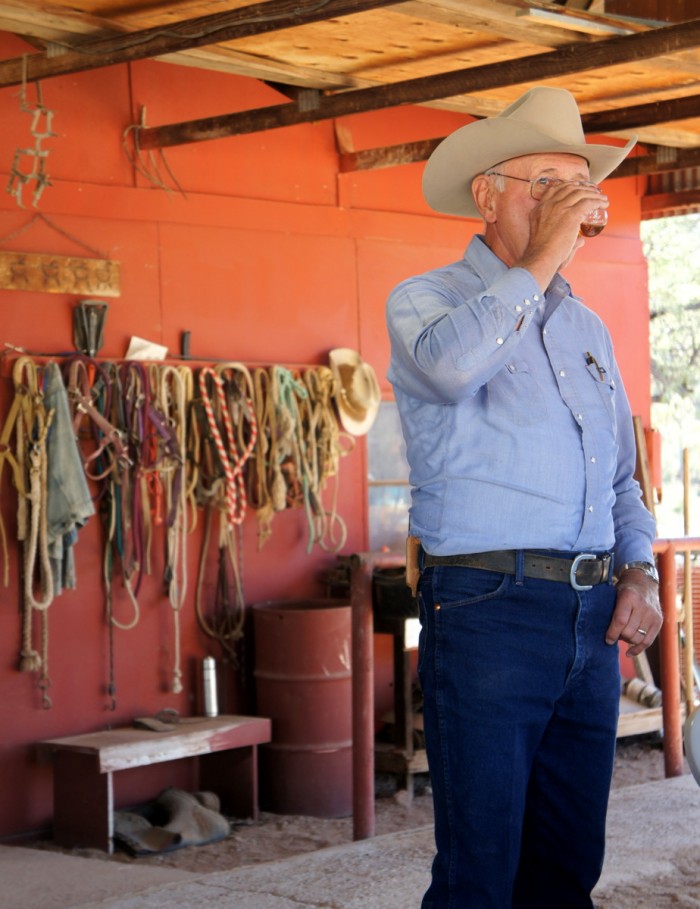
(515, 395)
(605, 386)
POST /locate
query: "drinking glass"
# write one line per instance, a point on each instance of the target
(593, 223)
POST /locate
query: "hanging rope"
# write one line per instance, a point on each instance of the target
(175, 384)
(228, 404)
(155, 454)
(32, 429)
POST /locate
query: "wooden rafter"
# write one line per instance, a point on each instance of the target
(573, 58)
(656, 160)
(670, 203)
(256, 19)
(616, 120)
(659, 160)
(626, 118)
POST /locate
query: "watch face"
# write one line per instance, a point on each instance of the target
(647, 567)
(649, 570)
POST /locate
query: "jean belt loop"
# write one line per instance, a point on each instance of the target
(520, 567)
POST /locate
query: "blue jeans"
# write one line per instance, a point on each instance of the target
(521, 698)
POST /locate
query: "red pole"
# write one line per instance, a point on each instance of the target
(361, 569)
(670, 665)
(362, 699)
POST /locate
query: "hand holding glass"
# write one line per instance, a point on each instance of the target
(594, 221)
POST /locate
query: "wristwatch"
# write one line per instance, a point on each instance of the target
(648, 568)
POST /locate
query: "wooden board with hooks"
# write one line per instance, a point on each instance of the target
(51, 274)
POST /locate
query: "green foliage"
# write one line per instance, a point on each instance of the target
(671, 246)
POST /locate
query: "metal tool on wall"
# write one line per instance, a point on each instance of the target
(88, 326)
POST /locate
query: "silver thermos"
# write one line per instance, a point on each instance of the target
(211, 706)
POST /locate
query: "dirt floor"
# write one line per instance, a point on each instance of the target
(276, 836)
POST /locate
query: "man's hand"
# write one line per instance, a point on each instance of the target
(554, 228)
(637, 617)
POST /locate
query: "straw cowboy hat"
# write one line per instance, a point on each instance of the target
(358, 395)
(542, 120)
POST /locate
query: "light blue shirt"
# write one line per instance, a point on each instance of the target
(517, 426)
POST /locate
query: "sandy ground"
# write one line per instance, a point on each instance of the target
(276, 836)
(283, 861)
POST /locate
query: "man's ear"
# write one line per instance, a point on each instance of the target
(484, 197)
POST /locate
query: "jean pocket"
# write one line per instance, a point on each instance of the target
(455, 586)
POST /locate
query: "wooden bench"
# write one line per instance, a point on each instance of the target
(83, 766)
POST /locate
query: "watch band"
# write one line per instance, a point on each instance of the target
(648, 568)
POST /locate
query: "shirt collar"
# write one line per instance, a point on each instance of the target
(489, 268)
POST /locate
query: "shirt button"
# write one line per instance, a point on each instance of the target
(590, 508)
(593, 459)
(536, 298)
(562, 373)
(526, 302)
(499, 340)
(518, 308)
(579, 417)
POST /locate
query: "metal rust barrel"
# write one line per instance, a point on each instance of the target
(303, 683)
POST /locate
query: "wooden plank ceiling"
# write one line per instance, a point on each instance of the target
(327, 58)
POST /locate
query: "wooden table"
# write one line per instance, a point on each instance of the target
(83, 768)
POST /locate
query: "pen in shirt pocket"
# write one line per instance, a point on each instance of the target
(591, 361)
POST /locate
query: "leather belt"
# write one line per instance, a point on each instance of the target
(582, 571)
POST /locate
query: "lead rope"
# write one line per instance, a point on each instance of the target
(11, 425)
(193, 449)
(32, 433)
(286, 390)
(37, 543)
(226, 495)
(173, 388)
(308, 461)
(237, 407)
(261, 494)
(109, 464)
(136, 511)
(331, 530)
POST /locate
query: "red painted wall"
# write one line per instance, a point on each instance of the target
(273, 257)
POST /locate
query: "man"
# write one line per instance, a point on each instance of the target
(521, 449)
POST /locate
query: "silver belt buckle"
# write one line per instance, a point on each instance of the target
(581, 557)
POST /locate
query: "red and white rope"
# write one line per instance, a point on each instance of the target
(231, 461)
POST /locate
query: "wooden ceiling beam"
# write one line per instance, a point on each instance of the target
(626, 118)
(257, 19)
(655, 160)
(670, 203)
(617, 120)
(658, 160)
(573, 58)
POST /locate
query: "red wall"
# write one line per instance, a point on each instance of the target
(273, 257)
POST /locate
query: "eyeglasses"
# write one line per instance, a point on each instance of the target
(540, 186)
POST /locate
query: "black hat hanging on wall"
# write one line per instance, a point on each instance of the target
(88, 326)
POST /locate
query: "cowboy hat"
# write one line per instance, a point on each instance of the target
(543, 120)
(357, 390)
